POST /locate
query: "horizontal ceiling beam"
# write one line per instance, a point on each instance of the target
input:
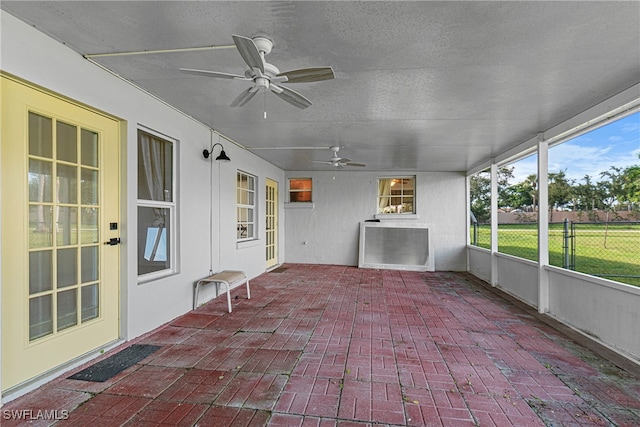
(148, 52)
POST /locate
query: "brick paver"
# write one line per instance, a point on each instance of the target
(327, 346)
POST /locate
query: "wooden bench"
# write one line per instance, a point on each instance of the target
(230, 278)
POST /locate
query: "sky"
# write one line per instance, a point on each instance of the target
(615, 144)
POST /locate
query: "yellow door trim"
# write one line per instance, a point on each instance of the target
(23, 358)
(272, 223)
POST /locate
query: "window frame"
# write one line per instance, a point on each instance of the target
(171, 207)
(397, 215)
(253, 208)
(299, 191)
(477, 224)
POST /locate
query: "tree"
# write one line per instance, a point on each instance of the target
(480, 191)
(531, 182)
(560, 191)
(480, 195)
(505, 174)
(612, 189)
(617, 186)
(517, 196)
(585, 194)
(631, 184)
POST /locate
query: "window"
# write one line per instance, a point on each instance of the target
(156, 206)
(480, 208)
(396, 195)
(246, 203)
(594, 185)
(300, 190)
(518, 208)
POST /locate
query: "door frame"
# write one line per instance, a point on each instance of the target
(119, 132)
(272, 263)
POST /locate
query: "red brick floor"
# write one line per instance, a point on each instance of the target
(341, 346)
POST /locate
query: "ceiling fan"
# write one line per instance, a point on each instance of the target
(265, 75)
(339, 162)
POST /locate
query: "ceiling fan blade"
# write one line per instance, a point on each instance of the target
(245, 96)
(360, 165)
(216, 74)
(305, 75)
(249, 52)
(344, 160)
(291, 96)
(321, 162)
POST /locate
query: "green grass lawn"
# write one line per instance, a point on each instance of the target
(610, 251)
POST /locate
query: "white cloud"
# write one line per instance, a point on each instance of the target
(523, 168)
(631, 126)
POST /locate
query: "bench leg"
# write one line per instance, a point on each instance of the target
(228, 297)
(197, 290)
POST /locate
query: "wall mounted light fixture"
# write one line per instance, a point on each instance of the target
(221, 157)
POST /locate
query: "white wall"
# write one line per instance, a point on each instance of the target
(37, 58)
(342, 199)
(518, 277)
(479, 263)
(603, 309)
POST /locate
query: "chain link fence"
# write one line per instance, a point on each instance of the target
(610, 250)
(605, 249)
(481, 235)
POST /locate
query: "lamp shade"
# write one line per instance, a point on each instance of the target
(223, 157)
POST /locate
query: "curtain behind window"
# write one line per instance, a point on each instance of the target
(154, 178)
(384, 191)
(155, 196)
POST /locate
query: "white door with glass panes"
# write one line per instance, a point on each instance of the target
(60, 231)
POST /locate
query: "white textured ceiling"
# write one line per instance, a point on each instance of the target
(432, 86)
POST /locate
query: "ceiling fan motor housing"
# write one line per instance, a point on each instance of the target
(263, 44)
(262, 80)
(265, 75)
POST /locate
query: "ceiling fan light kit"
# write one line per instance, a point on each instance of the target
(266, 76)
